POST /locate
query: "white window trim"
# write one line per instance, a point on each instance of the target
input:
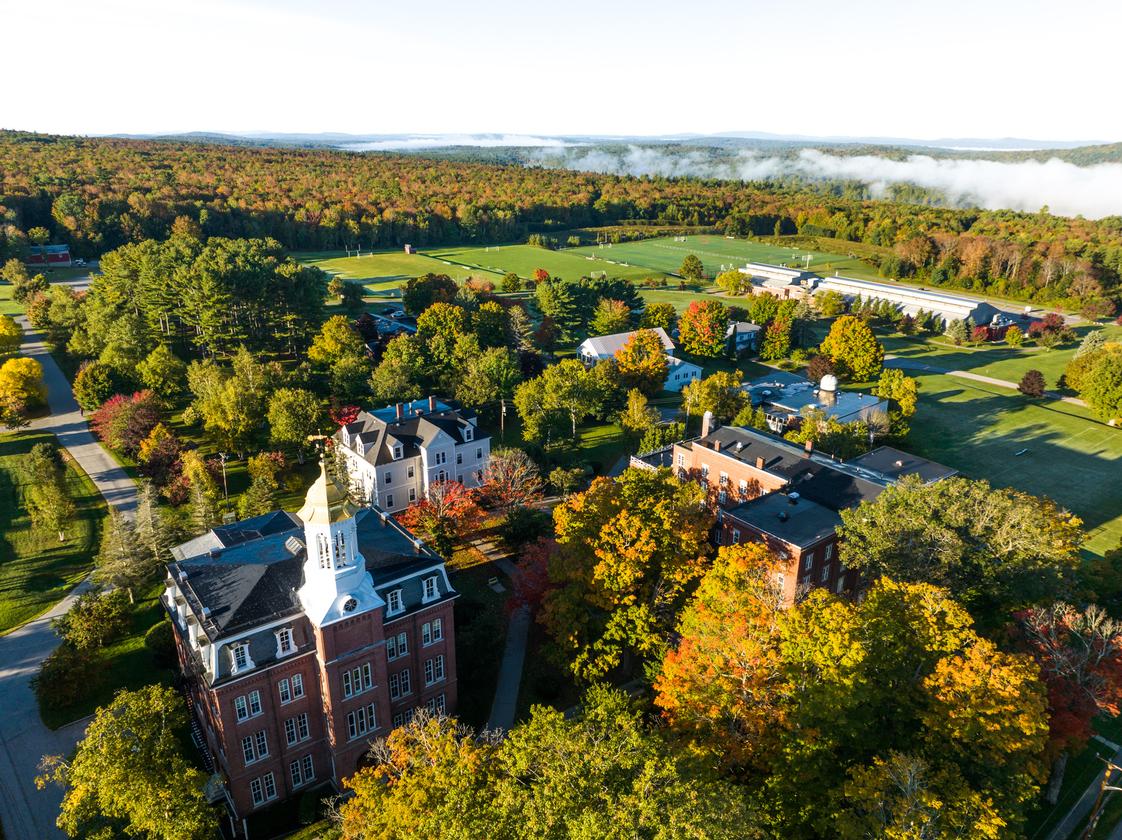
(390, 598)
(281, 653)
(434, 581)
(249, 664)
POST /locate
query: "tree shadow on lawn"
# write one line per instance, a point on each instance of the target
(967, 435)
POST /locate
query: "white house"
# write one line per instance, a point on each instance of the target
(680, 373)
(395, 453)
(603, 347)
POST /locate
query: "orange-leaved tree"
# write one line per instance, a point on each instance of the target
(444, 515)
(642, 362)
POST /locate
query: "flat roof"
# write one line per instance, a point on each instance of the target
(895, 464)
(790, 518)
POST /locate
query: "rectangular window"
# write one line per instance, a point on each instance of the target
(468, 432)
(285, 691)
(297, 685)
(434, 670)
(441, 458)
(808, 561)
(435, 705)
(723, 479)
(256, 791)
(302, 726)
(241, 708)
(412, 494)
(348, 684)
(829, 551)
(308, 768)
(841, 584)
(361, 721)
(387, 478)
(411, 473)
(431, 631)
(391, 648)
(826, 572)
(479, 454)
(395, 604)
(290, 731)
(367, 677)
(459, 458)
(402, 644)
(254, 703)
(397, 451)
(247, 749)
(735, 536)
(430, 592)
(398, 720)
(722, 497)
(406, 687)
(296, 774)
(389, 500)
(262, 743)
(270, 786)
(395, 686)
(681, 460)
(284, 642)
(241, 657)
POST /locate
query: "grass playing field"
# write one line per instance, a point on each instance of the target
(524, 259)
(1071, 458)
(718, 254)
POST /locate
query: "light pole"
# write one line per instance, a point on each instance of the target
(225, 487)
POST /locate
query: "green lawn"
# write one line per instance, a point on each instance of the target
(36, 570)
(1071, 458)
(7, 305)
(382, 269)
(718, 253)
(570, 264)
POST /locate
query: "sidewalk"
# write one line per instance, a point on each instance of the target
(908, 364)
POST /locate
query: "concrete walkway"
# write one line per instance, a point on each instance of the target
(504, 708)
(26, 813)
(910, 364)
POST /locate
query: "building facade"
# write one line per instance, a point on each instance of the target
(302, 638)
(394, 454)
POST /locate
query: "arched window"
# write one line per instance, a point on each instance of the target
(324, 556)
(340, 549)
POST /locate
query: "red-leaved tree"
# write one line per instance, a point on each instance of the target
(123, 422)
(445, 515)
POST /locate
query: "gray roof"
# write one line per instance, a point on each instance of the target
(418, 427)
(790, 393)
(603, 346)
(896, 464)
(253, 580)
(793, 519)
(781, 458)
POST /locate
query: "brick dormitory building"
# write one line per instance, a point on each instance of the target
(769, 490)
(304, 637)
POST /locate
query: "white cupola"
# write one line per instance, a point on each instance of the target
(336, 583)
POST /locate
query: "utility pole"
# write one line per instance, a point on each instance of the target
(502, 420)
(1100, 800)
(225, 486)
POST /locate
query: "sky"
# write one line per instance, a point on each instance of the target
(900, 68)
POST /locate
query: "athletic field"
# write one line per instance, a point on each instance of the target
(570, 264)
(719, 254)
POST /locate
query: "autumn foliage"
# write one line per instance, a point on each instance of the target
(446, 514)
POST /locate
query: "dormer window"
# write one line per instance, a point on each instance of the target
(398, 451)
(285, 645)
(394, 603)
(431, 592)
(239, 658)
(468, 432)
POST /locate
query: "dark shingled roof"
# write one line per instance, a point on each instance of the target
(896, 464)
(417, 426)
(802, 522)
(743, 444)
(251, 572)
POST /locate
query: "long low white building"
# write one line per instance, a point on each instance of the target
(911, 300)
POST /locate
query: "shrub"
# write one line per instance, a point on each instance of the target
(1032, 384)
(523, 525)
(66, 676)
(1014, 336)
(160, 642)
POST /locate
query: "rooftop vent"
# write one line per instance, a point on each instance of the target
(792, 498)
(182, 576)
(739, 445)
(293, 545)
(898, 462)
(206, 612)
(783, 516)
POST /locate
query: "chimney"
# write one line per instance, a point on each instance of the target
(716, 446)
(707, 424)
(398, 408)
(809, 446)
(432, 403)
(759, 462)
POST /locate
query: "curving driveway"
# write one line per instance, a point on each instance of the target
(26, 813)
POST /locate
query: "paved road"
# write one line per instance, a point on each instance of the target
(28, 814)
(911, 364)
(504, 707)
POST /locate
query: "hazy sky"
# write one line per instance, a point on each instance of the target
(955, 68)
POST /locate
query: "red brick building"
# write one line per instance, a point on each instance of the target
(304, 637)
(766, 489)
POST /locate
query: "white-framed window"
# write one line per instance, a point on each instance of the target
(722, 497)
(705, 471)
(402, 718)
(841, 584)
(255, 747)
(440, 458)
(297, 686)
(296, 729)
(431, 593)
(394, 603)
(361, 721)
(254, 703)
(825, 572)
(808, 561)
(387, 477)
(434, 670)
(398, 451)
(412, 494)
(723, 479)
(681, 460)
(432, 631)
(411, 473)
(261, 742)
(735, 536)
(270, 786)
(357, 680)
(469, 432)
(257, 791)
(285, 645)
(389, 500)
(239, 658)
(397, 646)
(479, 454)
(302, 771)
(248, 754)
(436, 705)
(459, 458)
(829, 551)
(400, 684)
(285, 690)
(241, 708)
